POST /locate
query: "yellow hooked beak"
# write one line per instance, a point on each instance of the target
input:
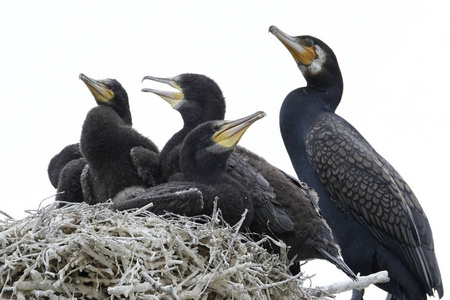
(102, 94)
(230, 132)
(299, 49)
(173, 98)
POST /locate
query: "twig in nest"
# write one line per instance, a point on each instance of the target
(85, 252)
(168, 289)
(6, 215)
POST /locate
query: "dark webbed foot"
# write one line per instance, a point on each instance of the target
(338, 262)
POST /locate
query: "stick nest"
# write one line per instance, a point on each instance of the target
(91, 252)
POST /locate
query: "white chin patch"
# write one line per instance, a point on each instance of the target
(316, 65)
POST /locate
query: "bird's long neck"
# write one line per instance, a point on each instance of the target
(177, 139)
(206, 173)
(101, 124)
(298, 112)
(191, 119)
(330, 93)
(204, 167)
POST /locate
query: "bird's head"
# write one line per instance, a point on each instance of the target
(197, 97)
(210, 144)
(315, 59)
(109, 92)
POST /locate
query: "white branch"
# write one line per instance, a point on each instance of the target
(168, 289)
(348, 285)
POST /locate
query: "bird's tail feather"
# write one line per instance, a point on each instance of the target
(339, 263)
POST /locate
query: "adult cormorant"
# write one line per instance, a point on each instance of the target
(374, 215)
(117, 155)
(276, 196)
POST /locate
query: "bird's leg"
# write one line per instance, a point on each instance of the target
(357, 295)
(88, 194)
(295, 268)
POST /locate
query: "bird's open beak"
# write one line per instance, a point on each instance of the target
(301, 53)
(173, 98)
(102, 94)
(230, 132)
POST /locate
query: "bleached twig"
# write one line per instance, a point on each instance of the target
(6, 215)
(79, 250)
(168, 289)
(348, 285)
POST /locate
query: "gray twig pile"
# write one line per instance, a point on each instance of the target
(92, 252)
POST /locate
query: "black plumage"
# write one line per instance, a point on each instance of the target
(281, 204)
(59, 161)
(372, 211)
(203, 161)
(73, 152)
(70, 187)
(69, 163)
(64, 171)
(198, 99)
(183, 198)
(112, 147)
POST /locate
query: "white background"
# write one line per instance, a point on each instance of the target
(393, 56)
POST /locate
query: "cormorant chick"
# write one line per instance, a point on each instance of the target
(64, 172)
(73, 152)
(374, 215)
(198, 99)
(281, 204)
(69, 163)
(57, 163)
(117, 155)
(203, 158)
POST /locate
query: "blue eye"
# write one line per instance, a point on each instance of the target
(309, 43)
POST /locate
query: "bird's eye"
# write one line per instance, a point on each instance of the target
(309, 43)
(216, 127)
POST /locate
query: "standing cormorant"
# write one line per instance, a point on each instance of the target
(374, 215)
(276, 196)
(117, 155)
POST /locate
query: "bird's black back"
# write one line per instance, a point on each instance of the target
(368, 189)
(106, 142)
